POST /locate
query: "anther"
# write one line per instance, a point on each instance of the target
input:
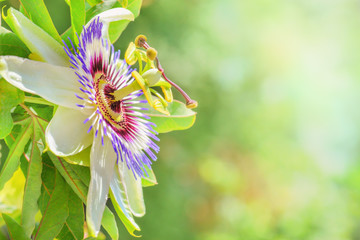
(140, 41)
(151, 53)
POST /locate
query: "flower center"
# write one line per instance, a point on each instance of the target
(111, 110)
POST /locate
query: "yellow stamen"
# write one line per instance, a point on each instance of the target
(140, 40)
(151, 53)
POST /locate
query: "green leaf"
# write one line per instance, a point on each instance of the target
(13, 159)
(55, 210)
(109, 223)
(78, 178)
(10, 96)
(121, 204)
(38, 13)
(3, 236)
(150, 180)
(10, 44)
(180, 118)
(4, 151)
(74, 225)
(115, 28)
(40, 43)
(15, 230)
(134, 6)
(77, 12)
(32, 188)
(70, 176)
(93, 2)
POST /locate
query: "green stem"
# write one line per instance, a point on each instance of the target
(38, 100)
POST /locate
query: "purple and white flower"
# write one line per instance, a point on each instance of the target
(83, 84)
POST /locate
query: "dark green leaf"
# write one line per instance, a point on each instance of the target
(78, 178)
(74, 225)
(15, 230)
(17, 148)
(42, 111)
(3, 236)
(32, 188)
(71, 177)
(38, 13)
(19, 114)
(10, 96)
(10, 44)
(4, 151)
(56, 210)
(83, 173)
(77, 12)
(180, 118)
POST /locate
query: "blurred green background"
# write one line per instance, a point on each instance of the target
(274, 153)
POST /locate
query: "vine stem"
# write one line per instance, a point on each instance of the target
(189, 101)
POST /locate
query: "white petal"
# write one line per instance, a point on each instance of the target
(133, 189)
(102, 162)
(36, 39)
(112, 15)
(66, 133)
(54, 83)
